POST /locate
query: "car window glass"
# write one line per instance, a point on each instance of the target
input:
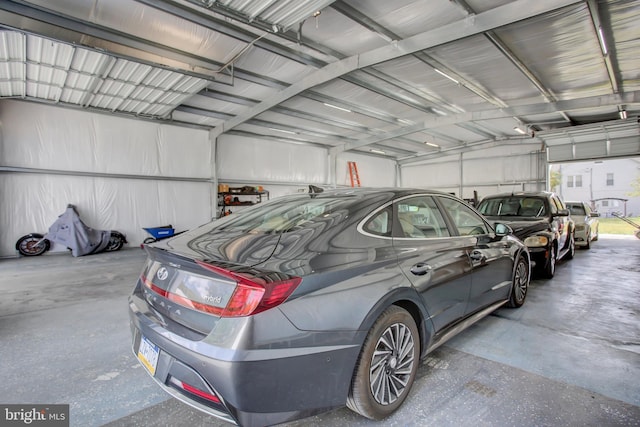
(513, 206)
(553, 206)
(380, 223)
(532, 206)
(288, 214)
(577, 210)
(467, 221)
(420, 217)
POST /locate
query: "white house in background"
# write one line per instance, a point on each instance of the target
(603, 184)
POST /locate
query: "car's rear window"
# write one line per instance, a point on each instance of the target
(576, 210)
(288, 214)
(513, 206)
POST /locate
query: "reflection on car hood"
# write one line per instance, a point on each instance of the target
(522, 228)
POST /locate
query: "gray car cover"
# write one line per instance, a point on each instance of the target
(69, 230)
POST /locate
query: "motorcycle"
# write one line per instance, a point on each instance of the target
(70, 231)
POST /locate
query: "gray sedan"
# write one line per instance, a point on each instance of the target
(313, 301)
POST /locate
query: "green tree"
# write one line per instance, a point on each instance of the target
(555, 179)
(635, 187)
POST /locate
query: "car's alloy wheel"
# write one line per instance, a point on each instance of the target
(520, 283)
(387, 365)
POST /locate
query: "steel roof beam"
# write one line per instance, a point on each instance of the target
(388, 35)
(500, 113)
(240, 100)
(597, 25)
(289, 35)
(486, 21)
(286, 139)
(206, 67)
(209, 21)
(29, 12)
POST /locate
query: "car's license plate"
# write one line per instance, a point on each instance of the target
(148, 355)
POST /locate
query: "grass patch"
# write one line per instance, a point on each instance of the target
(617, 226)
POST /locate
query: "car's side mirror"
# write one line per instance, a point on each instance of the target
(502, 229)
(562, 212)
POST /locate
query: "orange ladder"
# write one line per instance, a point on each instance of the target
(353, 174)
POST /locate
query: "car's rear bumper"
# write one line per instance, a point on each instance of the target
(255, 387)
(581, 237)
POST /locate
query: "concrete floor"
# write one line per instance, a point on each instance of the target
(569, 356)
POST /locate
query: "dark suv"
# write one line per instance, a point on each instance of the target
(540, 219)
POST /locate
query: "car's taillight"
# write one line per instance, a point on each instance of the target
(254, 294)
(228, 294)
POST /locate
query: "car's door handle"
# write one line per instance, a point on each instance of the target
(421, 268)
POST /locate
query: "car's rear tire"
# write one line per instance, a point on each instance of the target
(387, 365)
(521, 278)
(588, 245)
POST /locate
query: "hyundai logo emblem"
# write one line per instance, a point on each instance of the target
(162, 273)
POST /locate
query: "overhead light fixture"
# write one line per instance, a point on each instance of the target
(337, 108)
(438, 112)
(283, 131)
(519, 130)
(603, 44)
(373, 150)
(623, 114)
(431, 144)
(447, 76)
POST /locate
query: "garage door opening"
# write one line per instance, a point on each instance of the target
(610, 187)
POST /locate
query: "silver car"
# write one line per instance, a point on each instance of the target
(309, 302)
(586, 222)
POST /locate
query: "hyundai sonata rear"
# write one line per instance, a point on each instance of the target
(311, 302)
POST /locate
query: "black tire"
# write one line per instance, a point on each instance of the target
(149, 240)
(549, 268)
(572, 247)
(521, 279)
(32, 245)
(384, 375)
(588, 245)
(115, 243)
(597, 234)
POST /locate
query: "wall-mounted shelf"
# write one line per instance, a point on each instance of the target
(231, 198)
